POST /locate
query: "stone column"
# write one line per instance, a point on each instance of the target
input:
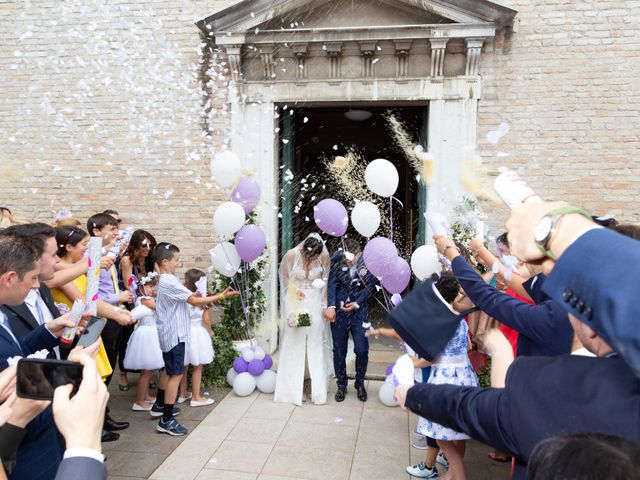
(234, 57)
(402, 57)
(474, 48)
(367, 50)
(300, 54)
(438, 47)
(268, 64)
(334, 52)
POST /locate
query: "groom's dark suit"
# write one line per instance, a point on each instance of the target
(348, 285)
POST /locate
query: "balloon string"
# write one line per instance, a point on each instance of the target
(391, 218)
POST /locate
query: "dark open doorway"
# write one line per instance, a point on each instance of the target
(311, 136)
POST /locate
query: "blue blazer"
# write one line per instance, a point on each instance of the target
(544, 328)
(39, 453)
(596, 280)
(543, 397)
(342, 289)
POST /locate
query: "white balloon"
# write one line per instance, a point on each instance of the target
(382, 177)
(244, 384)
(225, 168)
(267, 381)
(225, 259)
(259, 354)
(248, 355)
(365, 218)
(385, 394)
(229, 218)
(424, 262)
(231, 376)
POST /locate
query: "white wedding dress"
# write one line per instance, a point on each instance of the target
(312, 342)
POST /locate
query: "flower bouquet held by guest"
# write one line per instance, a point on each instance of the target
(303, 276)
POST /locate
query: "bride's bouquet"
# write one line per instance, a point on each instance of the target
(300, 319)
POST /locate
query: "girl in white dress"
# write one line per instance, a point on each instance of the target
(304, 272)
(143, 348)
(199, 348)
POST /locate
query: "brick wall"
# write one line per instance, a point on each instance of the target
(100, 107)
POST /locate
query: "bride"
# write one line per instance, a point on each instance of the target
(304, 273)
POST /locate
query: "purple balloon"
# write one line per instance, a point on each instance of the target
(389, 370)
(247, 194)
(331, 217)
(239, 365)
(250, 242)
(255, 368)
(267, 361)
(396, 278)
(379, 255)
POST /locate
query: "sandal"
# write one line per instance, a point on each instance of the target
(123, 388)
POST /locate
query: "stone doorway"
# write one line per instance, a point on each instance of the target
(311, 136)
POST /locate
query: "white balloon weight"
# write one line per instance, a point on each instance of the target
(248, 355)
(424, 262)
(267, 381)
(385, 394)
(259, 354)
(231, 376)
(244, 384)
(229, 218)
(225, 259)
(365, 218)
(225, 168)
(382, 177)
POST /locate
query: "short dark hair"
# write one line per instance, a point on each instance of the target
(111, 212)
(595, 455)
(605, 221)
(37, 243)
(18, 253)
(628, 230)
(351, 245)
(448, 286)
(68, 235)
(99, 221)
(164, 251)
(503, 239)
(191, 276)
(38, 231)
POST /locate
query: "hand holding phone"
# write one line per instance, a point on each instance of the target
(80, 419)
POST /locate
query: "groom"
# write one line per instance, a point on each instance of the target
(350, 286)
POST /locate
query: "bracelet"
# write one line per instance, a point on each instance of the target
(222, 296)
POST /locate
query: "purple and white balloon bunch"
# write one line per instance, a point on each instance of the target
(251, 369)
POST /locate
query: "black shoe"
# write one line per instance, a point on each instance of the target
(362, 393)
(109, 436)
(111, 425)
(340, 394)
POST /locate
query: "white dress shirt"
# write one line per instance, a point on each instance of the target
(37, 307)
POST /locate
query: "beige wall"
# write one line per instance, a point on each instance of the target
(100, 107)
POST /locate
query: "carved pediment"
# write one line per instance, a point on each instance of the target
(296, 40)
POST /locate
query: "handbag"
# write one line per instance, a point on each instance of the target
(425, 321)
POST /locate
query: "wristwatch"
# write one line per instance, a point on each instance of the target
(546, 227)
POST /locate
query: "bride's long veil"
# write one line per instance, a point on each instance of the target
(288, 288)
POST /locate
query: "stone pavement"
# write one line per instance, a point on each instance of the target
(253, 438)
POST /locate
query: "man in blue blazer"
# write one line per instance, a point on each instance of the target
(350, 286)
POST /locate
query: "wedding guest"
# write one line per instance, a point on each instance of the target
(199, 348)
(304, 271)
(350, 287)
(133, 263)
(7, 218)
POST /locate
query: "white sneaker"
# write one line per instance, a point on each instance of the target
(184, 399)
(421, 471)
(137, 408)
(420, 444)
(203, 403)
(442, 460)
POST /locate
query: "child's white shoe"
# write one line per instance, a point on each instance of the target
(138, 408)
(203, 403)
(184, 399)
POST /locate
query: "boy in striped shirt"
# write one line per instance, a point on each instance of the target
(173, 320)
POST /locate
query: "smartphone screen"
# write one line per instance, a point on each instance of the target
(92, 331)
(38, 378)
